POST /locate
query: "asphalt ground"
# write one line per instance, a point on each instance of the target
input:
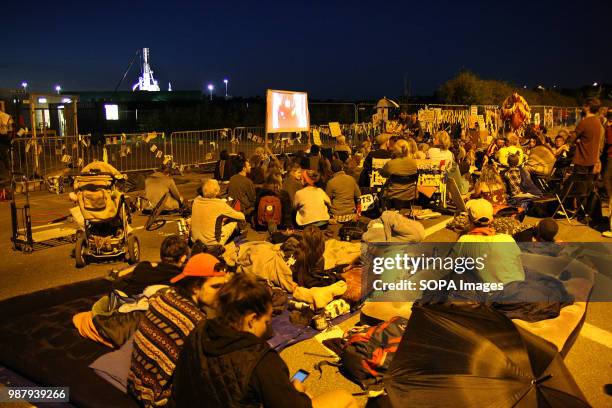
(589, 360)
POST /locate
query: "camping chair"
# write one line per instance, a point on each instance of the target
(408, 191)
(578, 186)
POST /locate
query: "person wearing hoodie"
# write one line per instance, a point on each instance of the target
(226, 361)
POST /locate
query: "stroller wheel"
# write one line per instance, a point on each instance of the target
(80, 251)
(133, 249)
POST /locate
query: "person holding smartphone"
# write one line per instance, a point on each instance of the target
(227, 361)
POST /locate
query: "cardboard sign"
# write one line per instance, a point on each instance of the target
(316, 137)
(334, 128)
(150, 136)
(375, 178)
(474, 110)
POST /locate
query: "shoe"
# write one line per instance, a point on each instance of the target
(607, 234)
(337, 308)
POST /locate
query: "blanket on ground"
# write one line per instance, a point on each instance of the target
(340, 253)
(40, 343)
(265, 260)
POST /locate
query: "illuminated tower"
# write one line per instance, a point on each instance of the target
(146, 82)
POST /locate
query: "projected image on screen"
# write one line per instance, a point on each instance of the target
(287, 112)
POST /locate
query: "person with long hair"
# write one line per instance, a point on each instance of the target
(397, 170)
(325, 171)
(226, 362)
(308, 270)
(441, 150)
(490, 186)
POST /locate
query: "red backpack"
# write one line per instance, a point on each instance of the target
(269, 210)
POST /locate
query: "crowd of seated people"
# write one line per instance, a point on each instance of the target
(203, 322)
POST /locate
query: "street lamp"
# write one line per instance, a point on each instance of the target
(210, 88)
(594, 83)
(58, 89)
(24, 85)
(225, 81)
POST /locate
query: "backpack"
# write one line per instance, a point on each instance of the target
(352, 230)
(269, 210)
(367, 353)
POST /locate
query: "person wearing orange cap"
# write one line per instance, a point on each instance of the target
(173, 313)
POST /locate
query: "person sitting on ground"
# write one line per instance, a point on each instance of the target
(209, 212)
(382, 152)
(513, 147)
(173, 255)
(503, 262)
(440, 152)
(272, 188)
(160, 184)
(541, 159)
(313, 157)
(513, 176)
(173, 313)
(343, 191)
(293, 180)
(341, 146)
(397, 170)
(311, 202)
(366, 148)
(223, 168)
(325, 171)
(413, 149)
(546, 230)
(353, 167)
(495, 146)
(491, 187)
(308, 270)
(421, 154)
(235, 342)
(257, 168)
(242, 189)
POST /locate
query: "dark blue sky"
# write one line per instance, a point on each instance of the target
(332, 49)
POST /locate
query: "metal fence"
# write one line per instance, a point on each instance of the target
(192, 148)
(48, 156)
(129, 151)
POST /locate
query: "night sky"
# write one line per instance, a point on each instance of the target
(331, 49)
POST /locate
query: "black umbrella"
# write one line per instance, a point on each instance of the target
(468, 355)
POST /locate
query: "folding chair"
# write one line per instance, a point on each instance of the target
(578, 186)
(408, 191)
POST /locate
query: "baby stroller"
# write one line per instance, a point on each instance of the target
(106, 233)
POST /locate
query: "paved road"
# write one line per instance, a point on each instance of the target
(590, 359)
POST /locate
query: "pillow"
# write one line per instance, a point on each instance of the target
(115, 366)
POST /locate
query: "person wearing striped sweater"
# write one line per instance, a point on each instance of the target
(173, 313)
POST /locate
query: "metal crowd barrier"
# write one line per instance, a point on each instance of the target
(46, 156)
(49, 156)
(247, 139)
(129, 152)
(192, 148)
